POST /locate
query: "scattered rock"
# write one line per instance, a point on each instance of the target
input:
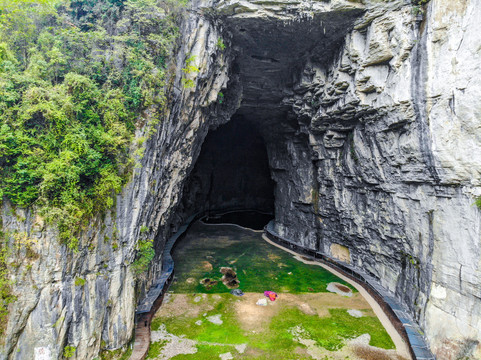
(237, 292)
(226, 356)
(198, 322)
(197, 299)
(339, 289)
(190, 280)
(262, 302)
(355, 313)
(241, 348)
(363, 339)
(215, 319)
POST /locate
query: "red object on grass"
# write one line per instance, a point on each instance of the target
(271, 295)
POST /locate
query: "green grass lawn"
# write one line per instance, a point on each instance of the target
(259, 265)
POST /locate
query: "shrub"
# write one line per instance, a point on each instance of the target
(79, 281)
(69, 351)
(145, 254)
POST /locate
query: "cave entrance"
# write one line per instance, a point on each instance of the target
(231, 173)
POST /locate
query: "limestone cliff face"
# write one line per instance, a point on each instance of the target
(371, 124)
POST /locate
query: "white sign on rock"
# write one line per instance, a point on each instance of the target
(43, 353)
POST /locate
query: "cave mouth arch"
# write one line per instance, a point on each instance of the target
(232, 171)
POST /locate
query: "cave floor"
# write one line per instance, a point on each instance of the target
(305, 322)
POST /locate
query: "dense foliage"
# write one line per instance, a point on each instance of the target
(74, 78)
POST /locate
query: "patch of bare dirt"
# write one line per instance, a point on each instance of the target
(372, 353)
(273, 257)
(208, 283)
(181, 304)
(207, 266)
(253, 317)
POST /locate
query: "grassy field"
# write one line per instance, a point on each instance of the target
(305, 322)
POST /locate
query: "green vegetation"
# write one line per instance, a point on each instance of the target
(69, 351)
(220, 97)
(271, 332)
(220, 44)
(276, 340)
(189, 69)
(145, 254)
(119, 354)
(205, 352)
(74, 78)
(418, 8)
(259, 265)
(478, 202)
(154, 349)
(330, 332)
(79, 281)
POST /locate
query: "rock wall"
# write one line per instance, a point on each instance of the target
(87, 298)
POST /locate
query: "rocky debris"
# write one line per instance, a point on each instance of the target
(226, 356)
(215, 319)
(355, 313)
(237, 292)
(262, 302)
(229, 278)
(339, 289)
(174, 345)
(241, 348)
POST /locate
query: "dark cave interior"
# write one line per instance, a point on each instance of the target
(232, 171)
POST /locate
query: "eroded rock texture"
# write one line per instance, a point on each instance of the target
(370, 120)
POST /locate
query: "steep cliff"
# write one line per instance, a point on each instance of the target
(370, 121)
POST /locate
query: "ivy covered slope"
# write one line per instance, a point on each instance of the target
(75, 77)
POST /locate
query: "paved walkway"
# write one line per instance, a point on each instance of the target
(142, 338)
